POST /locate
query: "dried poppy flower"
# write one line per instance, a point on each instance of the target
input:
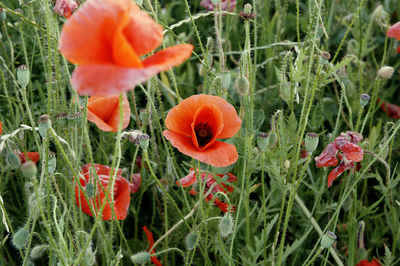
(195, 124)
(104, 112)
(65, 7)
(345, 149)
(150, 238)
(210, 6)
(121, 193)
(374, 262)
(394, 32)
(107, 39)
(33, 156)
(391, 110)
(191, 179)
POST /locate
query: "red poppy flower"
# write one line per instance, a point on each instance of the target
(107, 39)
(394, 32)
(374, 262)
(345, 148)
(122, 191)
(195, 124)
(150, 238)
(33, 156)
(391, 110)
(1, 128)
(191, 179)
(65, 7)
(104, 112)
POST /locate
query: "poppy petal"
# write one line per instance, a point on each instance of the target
(113, 121)
(188, 180)
(374, 262)
(169, 57)
(394, 31)
(86, 37)
(335, 173)
(220, 154)
(180, 117)
(391, 110)
(136, 181)
(352, 152)
(102, 106)
(328, 156)
(150, 239)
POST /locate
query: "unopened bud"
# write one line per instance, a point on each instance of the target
(140, 257)
(13, 160)
(29, 169)
(225, 225)
(44, 125)
(247, 9)
(23, 75)
(262, 141)
(311, 142)
(242, 85)
(20, 238)
(190, 240)
(386, 72)
(2, 15)
(328, 239)
(286, 164)
(364, 99)
(216, 84)
(226, 79)
(38, 251)
(272, 139)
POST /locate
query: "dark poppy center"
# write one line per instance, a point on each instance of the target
(204, 134)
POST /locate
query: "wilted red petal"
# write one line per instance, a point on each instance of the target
(355, 137)
(328, 156)
(219, 154)
(189, 179)
(394, 31)
(352, 152)
(65, 7)
(104, 112)
(135, 184)
(335, 173)
(374, 262)
(391, 110)
(150, 239)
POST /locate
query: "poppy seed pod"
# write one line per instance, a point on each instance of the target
(144, 141)
(364, 99)
(52, 162)
(262, 141)
(20, 238)
(328, 239)
(242, 85)
(44, 125)
(386, 72)
(190, 240)
(140, 257)
(226, 225)
(247, 9)
(29, 169)
(23, 75)
(311, 142)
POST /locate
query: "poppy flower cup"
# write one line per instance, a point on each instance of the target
(121, 193)
(195, 124)
(107, 40)
(104, 112)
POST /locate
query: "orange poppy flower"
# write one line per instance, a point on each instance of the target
(195, 124)
(122, 191)
(107, 39)
(33, 156)
(150, 238)
(104, 112)
(394, 32)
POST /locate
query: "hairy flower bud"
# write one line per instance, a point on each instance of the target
(29, 169)
(20, 238)
(226, 225)
(386, 72)
(140, 257)
(23, 75)
(242, 85)
(38, 251)
(190, 240)
(226, 79)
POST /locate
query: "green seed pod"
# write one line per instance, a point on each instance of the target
(328, 239)
(263, 141)
(247, 9)
(38, 251)
(225, 225)
(29, 169)
(226, 79)
(364, 99)
(44, 125)
(23, 75)
(190, 240)
(140, 257)
(51, 163)
(20, 238)
(144, 141)
(311, 142)
(242, 85)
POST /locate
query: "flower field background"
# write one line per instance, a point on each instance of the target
(212, 132)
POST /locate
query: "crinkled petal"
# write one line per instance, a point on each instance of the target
(220, 154)
(169, 57)
(180, 117)
(188, 180)
(352, 152)
(135, 184)
(335, 173)
(328, 156)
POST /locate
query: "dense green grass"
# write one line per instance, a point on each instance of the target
(283, 204)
